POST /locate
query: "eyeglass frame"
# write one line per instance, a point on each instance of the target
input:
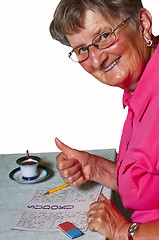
(96, 45)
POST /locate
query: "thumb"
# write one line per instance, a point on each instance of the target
(64, 148)
(102, 197)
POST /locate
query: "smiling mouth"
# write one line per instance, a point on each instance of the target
(111, 66)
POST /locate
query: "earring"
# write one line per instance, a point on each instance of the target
(149, 43)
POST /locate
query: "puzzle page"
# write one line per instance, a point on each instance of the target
(45, 212)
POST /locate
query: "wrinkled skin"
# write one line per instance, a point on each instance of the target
(76, 167)
(106, 218)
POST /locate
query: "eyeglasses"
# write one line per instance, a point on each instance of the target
(101, 41)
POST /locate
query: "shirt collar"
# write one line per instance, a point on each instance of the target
(147, 85)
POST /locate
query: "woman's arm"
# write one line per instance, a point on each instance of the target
(105, 218)
(104, 172)
(146, 231)
(76, 167)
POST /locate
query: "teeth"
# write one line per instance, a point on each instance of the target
(111, 66)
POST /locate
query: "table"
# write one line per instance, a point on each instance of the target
(14, 195)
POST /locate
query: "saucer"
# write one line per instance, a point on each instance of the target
(43, 172)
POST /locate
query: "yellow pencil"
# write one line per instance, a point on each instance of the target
(56, 189)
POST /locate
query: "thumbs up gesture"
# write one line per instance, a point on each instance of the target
(75, 167)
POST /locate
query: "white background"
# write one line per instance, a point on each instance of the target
(43, 94)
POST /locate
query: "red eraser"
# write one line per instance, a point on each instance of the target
(70, 230)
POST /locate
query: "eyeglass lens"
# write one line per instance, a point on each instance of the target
(101, 41)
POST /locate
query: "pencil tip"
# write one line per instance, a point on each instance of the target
(46, 193)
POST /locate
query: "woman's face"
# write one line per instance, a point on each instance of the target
(119, 65)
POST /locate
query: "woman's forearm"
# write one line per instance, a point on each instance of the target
(147, 231)
(104, 172)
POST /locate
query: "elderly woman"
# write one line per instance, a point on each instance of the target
(113, 41)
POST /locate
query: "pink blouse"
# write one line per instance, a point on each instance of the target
(138, 157)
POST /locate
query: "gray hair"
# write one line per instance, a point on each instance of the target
(68, 16)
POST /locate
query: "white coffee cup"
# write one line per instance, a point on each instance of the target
(29, 167)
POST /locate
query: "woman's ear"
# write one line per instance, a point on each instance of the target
(145, 22)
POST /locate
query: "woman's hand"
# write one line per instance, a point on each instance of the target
(105, 218)
(76, 167)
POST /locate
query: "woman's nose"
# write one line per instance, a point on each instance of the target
(97, 56)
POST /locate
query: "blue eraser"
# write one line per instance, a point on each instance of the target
(74, 233)
(70, 230)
